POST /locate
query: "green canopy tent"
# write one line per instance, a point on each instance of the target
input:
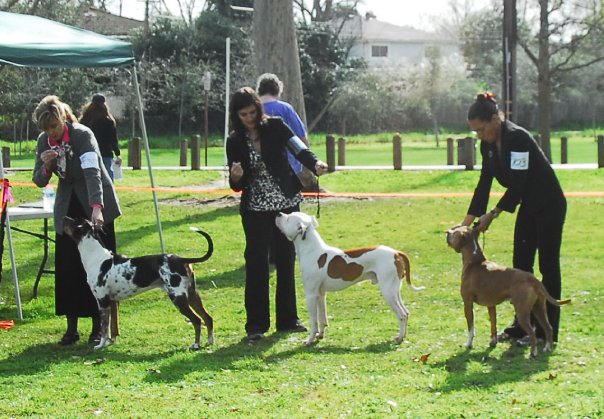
(31, 41)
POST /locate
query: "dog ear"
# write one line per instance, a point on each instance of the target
(315, 222)
(302, 229)
(68, 224)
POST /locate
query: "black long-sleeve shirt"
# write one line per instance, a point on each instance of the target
(522, 168)
(106, 135)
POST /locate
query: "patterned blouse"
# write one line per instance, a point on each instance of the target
(264, 192)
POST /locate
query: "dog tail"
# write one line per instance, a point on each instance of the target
(209, 251)
(407, 272)
(551, 299)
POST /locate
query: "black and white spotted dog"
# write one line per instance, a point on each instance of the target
(114, 277)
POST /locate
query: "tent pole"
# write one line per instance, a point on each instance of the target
(12, 252)
(146, 141)
(227, 98)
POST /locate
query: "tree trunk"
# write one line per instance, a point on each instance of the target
(544, 81)
(276, 48)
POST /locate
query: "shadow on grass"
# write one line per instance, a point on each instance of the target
(37, 358)
(478, 369)
(246, 356)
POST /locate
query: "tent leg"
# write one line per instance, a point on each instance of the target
(148, 154)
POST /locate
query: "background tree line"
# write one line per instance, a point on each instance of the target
(340, 95)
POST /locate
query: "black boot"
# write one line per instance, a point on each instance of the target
(71, 336)
(95, 335)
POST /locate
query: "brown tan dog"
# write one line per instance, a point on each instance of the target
(488, 284)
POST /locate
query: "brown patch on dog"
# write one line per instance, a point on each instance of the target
(338, 268)
(322, 259)
(398, 262)
(355, 253)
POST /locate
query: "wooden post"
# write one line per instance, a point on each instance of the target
(5, 156)
(469, 154)
(341, 151)
(195, 165)
(330, 145)
(600, 151)
(460, 152)
(563, 150)
(184, 148)
(397, 152)
(134, 153)
(450, 151)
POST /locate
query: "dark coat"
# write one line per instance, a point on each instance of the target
(522, 168)
(274, 142)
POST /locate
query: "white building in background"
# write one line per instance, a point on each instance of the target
(382, 44)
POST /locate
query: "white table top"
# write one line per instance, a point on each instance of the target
(29, 211)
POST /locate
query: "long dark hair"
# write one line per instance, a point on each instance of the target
(242, 98)
(95, 110)
(484, 107)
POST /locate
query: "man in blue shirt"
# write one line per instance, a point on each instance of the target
(269, 88)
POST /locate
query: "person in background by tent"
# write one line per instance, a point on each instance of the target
(97, 117)
(70, 151)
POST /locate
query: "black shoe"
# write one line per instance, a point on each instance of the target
(69, 338)
(255, 337)
(297, 328)
(511, 333)
(526, 341)
(94, 339)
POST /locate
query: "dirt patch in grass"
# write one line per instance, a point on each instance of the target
(223, 201)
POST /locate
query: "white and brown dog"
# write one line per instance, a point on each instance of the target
(488, 284)
(325, 268)
(113, 277)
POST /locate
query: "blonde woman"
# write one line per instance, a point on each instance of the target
(70, 151)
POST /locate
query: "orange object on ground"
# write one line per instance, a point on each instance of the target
(7, 324)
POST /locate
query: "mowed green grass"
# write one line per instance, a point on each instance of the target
(361, 150)
(357, 371)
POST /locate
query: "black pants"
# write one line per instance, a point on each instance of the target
(543, 232)
(260, 229)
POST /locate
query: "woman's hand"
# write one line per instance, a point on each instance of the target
(236, 171)
(320, 168)
(49, 157)
(485, 221)
(97, 218)
(118, 160)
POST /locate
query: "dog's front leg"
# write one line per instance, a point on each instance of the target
(493, 318)
(105, 338)
(322, 300)
(311, 304)
(469, 312)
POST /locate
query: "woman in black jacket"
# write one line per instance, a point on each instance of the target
(257, 158)
(98, 118)
(513, 157)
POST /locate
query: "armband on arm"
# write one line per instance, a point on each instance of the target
(296, 145)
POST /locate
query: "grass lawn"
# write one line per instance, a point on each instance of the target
(357, 371)
(361, 150)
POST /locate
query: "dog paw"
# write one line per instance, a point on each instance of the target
(195, 347)
(310, 341)
(210, 339)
